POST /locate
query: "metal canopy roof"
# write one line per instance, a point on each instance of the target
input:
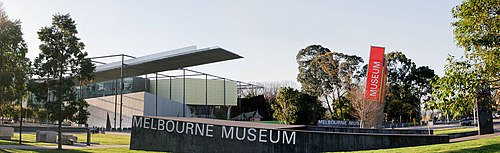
(164, 61)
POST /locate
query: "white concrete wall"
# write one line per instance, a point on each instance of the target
(133, 104)
(139, 103)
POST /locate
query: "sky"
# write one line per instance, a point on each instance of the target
(268, 34)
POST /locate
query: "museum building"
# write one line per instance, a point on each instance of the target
(161, 85)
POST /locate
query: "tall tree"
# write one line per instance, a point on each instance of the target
(421, 85)
(329, 75)
(310, 73)
(477, 30)
(294, 107)
(312, 61)
(61, 63)
(455, 91)
(400, 99)
(14, 66)
(348, 76)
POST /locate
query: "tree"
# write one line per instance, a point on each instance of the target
(363, 110)
(294, 107)
(14, 66)
(329, 75)
(455, 91)
(312, 77)
(477, 30)
(399, 83)
(407, 86)
(348, 76)
(271, 89)
(421, 80)
(310, 74)
(61, 63)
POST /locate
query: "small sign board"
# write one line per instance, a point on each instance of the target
(338, 123)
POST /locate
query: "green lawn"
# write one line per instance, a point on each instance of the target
(453, 130)
(485, 145)
(29, 139)
(107, 150)
(270, 122)
(103, 139)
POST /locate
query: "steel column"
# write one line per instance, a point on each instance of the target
(206, 96)
(170, 88)
(227, 110)
(121, 93)
(183, 93)
(156, 91)
(115, 83)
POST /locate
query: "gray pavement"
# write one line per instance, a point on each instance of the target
(496, 128)
(475, 137)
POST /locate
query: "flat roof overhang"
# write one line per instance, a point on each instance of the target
(163, 61)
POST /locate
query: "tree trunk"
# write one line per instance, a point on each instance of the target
(60, 96)
(59, 136)
(340, 104)
(341, 113)
(328, 103)
(474, 113)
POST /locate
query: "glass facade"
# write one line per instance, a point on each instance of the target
(112, 87)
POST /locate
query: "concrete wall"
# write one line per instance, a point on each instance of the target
(364, 130)
(133, 104)
(139, 103)
(182, 135)
(196, 92)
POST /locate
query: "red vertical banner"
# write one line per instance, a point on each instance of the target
(375, 79)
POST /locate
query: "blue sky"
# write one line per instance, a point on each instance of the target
(268, 34)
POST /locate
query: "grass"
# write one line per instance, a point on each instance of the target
(486, 145)
(453, 130)
(270, 122)
(28, 139)
(103, 150)
(103, 139)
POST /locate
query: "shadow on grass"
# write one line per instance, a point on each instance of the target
(14, 142)
(486, 149)
(42, 151)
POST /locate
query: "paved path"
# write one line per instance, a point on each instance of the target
(496, 126)
(496, 134)
(118, 133)
(76, 146)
